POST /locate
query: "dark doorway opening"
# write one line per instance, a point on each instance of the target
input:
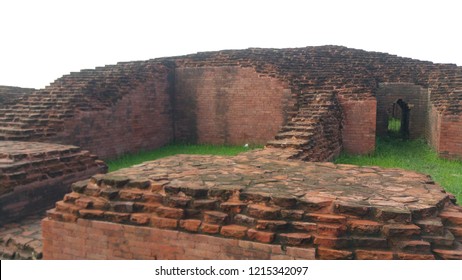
(398, 120)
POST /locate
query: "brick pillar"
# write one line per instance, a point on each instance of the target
(359, 125)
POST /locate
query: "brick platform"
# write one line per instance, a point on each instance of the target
(33, 176)
(260, 204)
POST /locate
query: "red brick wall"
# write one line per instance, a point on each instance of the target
(450, 142)
(359, 124)
(103, 240)
(228, 105)
(140, 120)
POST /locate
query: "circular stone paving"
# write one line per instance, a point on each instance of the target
(388, 193)
(343, 211)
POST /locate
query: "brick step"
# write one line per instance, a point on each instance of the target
(6, 137)
(9, 124)
(294, 135)
(15, 131)
(295, 126)
(311, 118)
(287, 143)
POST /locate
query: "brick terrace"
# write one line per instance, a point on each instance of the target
(256, 205)
(33, 176)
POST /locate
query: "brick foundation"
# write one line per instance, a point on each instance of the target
(96, 240)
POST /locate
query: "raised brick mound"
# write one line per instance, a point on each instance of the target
(257, 205)
(35, 175)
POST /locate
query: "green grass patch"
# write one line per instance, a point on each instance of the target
(174, 149)
(394, 125)
(413, 155)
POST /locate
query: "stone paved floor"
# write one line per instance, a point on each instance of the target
(22, 240)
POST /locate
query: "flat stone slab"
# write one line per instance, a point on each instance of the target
(344, 211)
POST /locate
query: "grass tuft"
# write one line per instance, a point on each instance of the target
(412, 155)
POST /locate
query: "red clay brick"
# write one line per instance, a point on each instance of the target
(140, 218)
(295, 239)
(260, 236)
(190, 225)
(234, 231)
(210, 228)
(168, 212)
(364, 227)
(373, 255)
(331, 254)
(215, 217)
(263, 212)
(400, 230)
(331, 230)
(164, 222)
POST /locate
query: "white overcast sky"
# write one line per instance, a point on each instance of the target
(41, 40)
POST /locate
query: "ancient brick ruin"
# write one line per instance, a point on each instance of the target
(305, 104)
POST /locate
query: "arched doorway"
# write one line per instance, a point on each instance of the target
(398, 120)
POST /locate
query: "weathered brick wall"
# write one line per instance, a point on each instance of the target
(450, 144)
(33, 176)
(417, 99)
(359, 125)
(110, 111)
(140, 120)
(228, 105)
(99, 240)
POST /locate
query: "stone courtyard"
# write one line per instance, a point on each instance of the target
(286, 201)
